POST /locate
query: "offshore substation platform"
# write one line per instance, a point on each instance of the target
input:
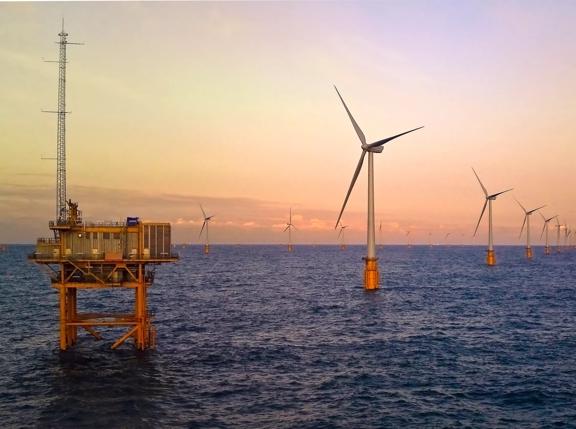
(106, 255)
(98, 256)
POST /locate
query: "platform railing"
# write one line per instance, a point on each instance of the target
(50, 255)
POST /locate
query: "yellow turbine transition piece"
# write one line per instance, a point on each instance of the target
(490, 258)
(371, 274)
(529, 254)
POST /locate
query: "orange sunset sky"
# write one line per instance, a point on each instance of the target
(231, 105)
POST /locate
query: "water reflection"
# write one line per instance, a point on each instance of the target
(99, 388)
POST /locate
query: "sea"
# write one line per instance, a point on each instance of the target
(257, 337)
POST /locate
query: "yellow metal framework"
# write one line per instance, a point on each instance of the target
(120, 256)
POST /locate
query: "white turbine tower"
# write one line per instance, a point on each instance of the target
(545, 228)
(207, 220)
(289, 226)
(527, 214)
(341, 236)
(371, 274)
(490, 255)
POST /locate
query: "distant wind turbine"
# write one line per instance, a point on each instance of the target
(558, 228)
(545, 228)
(341, 236)
(371, 274)
(408, 238)
(207, 220)
(527, 214)
(490, 255)
(289, 226)
(446, 237)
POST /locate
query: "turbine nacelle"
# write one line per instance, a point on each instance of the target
(373, 149)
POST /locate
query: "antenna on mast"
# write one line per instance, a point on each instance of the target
(61, 127)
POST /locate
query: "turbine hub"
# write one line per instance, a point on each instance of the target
(374, 149)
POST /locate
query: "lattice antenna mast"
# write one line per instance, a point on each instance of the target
(61, 130)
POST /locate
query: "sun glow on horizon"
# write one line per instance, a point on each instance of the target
(232, 104)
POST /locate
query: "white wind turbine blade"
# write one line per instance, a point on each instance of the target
(535, 210)
(523, 223)
(356, 127)
(386, 140)
(202, 229)
(543, 229)
(287, 228)
(479, 181)
(356, 173)
(525, 211)
(493, 196)
(480, 218)
(203, 212)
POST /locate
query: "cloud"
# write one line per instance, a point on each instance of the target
(236, 219)
(26, 209)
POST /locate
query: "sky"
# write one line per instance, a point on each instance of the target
(232, 106)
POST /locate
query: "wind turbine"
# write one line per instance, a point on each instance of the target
(207, 219)
(545, 228)
(446, 237)
(380, 233)
(341, 236)
(288, 228)
(558, 228)
(371, 274)
(527, 214)
(567, 233)
(408, 238)
(490, 255)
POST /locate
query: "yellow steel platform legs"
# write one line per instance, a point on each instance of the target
(142, 332)
(68, 333)
(529, 254)
(139, 324)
